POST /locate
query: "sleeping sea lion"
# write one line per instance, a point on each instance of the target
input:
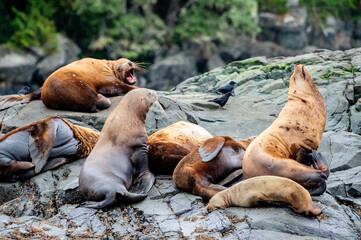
(82, 85)
(119, 160)
(254, 191)
(169, 145)
(206, 170)
(288, 147)
(42, 145)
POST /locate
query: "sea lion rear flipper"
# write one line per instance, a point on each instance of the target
(41, 141)
(211, 148)
(319, 162)
(238, 174)
(129, 197)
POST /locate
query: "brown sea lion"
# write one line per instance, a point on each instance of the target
(82, 85)
(287, 147)
(169, 145)
(119, 160)
(42, 145)
(262, 189)
(206, 170)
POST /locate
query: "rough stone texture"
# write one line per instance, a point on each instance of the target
(42, 207)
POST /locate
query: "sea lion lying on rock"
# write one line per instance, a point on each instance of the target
(288, 147)
(42, 145)
(82, 85)
(119, 160)
(206, 170)
(169, 145)
(254, 191)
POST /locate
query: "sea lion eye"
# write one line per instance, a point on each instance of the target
(130, 63)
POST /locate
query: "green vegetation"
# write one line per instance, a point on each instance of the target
(132, 28)
(137, 29)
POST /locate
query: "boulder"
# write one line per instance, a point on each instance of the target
(45, 206)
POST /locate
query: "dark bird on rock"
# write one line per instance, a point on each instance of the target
(221, 101)
(227, 88)
(25, 90)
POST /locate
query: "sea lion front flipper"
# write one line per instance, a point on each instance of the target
(54, 163)
(143, 182)
(143, 179)
(211, 148)
(41, 141)
(319, 162)
(129, 197)
(237, 174)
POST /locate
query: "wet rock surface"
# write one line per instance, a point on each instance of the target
(43, 208)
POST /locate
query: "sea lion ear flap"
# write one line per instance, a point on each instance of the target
(211, 148)
(41, 141)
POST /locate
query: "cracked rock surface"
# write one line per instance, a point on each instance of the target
(40, 208)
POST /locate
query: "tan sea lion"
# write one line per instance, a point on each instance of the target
(206, 170)
(119, 160)
(169, 145)
(287, 147)
(42, 145)
(254, 191)
(82, 85)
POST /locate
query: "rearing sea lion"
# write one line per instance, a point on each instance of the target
(82, 85)
(289, 145)
(43, 145)
(119, 160)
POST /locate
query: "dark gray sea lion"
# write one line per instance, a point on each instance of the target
(119, 161)
(42, 145)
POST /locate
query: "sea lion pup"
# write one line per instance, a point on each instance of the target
(119, 160)
(254, 191)
(287, 147)
(42, 145)
(82, 85)
(206, 170)
(169, 145)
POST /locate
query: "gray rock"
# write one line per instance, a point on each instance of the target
(341, 149)
(345, 183)
(16, 69)
(68, 52)
(167, 73)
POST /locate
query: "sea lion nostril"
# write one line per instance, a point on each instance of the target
(130, 63)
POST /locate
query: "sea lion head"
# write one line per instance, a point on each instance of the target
(123, 69)
(144, 99)
(301, 81)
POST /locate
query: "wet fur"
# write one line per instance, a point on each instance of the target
(40, 146)
(119, 160)
(202, 178)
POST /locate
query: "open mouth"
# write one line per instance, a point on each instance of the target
(129, 77)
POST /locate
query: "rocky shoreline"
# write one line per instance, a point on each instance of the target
(41, 208)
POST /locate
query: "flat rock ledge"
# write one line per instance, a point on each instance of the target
(41, 208)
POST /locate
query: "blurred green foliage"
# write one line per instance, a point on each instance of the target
(319, 10)
(138, 28)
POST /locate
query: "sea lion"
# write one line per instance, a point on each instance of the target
(82, 85)
(289, 145)
(119, 160)
(42, 145)
(254, 191)
(169, 145)
(206, 170)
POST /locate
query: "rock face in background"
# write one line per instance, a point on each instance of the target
(31, 68)
(42, 207)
